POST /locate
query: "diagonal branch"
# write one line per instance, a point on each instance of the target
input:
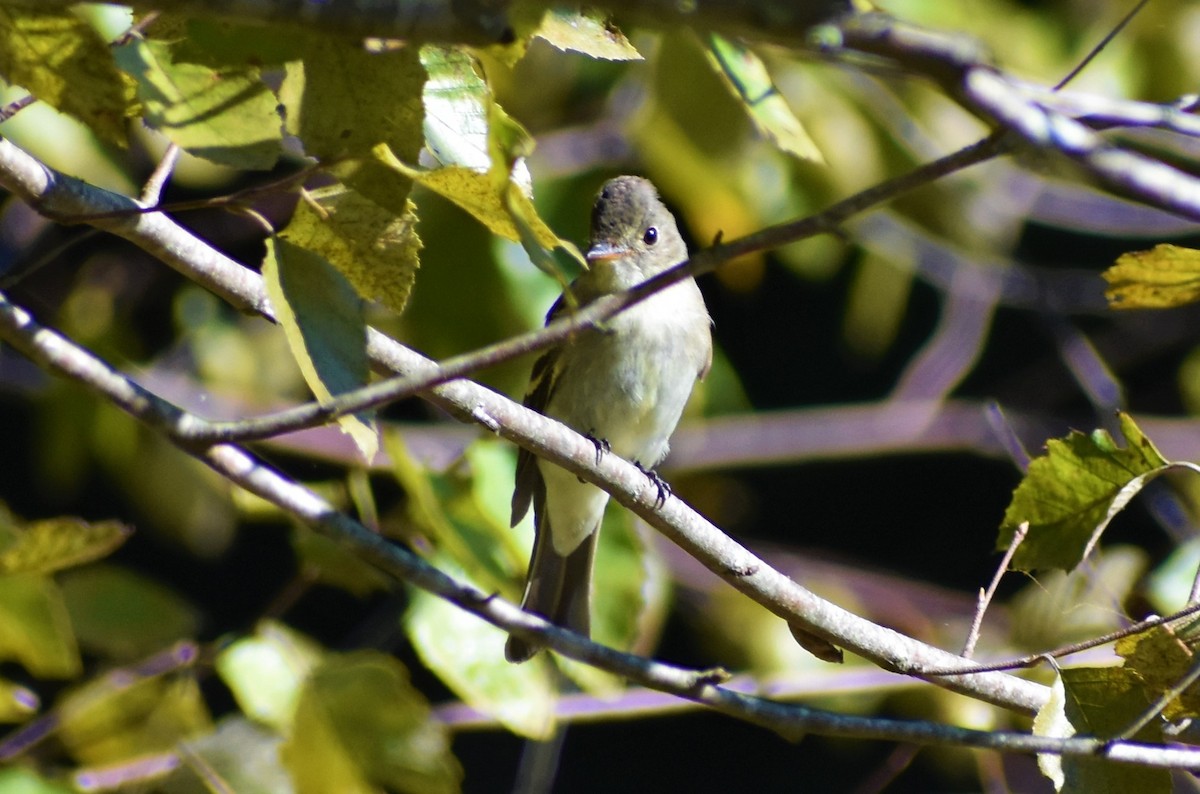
(61, 197)
(56, 353)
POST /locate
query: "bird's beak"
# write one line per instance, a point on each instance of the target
(605, 252)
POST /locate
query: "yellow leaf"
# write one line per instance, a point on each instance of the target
(1161, 278)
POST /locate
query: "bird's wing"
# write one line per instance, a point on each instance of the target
(541, 386)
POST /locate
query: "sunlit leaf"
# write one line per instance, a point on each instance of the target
(360, 724)
(1069, 495)
(17, 703)
(373, 248)
(1051, 720)
(342, 101)
(443, 508)
(1103, 702)
(456, 99)
(586, 31)
(467, 654)
(228, 116)
(323, 319)
(53, 544)
(1163, 277)
(61, 60)
(115, 718)
(124, 615)
(35, 629)
(1161, 658)
(266, 672)
(747, 77)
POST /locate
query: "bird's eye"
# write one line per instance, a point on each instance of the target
(651, 236)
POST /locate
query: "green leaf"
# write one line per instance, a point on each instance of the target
(53, 544)
(467, 654)
(118, 717)
(1161, 278)
(23, 780)
(61, 60)
(373, 248)
(748, 79)
(446, 511)
(332, 564)
(342, 101)
(482, 151)
(35, 629)
(360, 724)
(266, 672)
(17, 703)
(325, 327)
(1103, 702)
(124, 615)
(228, 116)
(587, 31)
(1070, 494)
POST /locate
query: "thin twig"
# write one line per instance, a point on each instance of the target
(986, 596)
(1066, 650)
(152, 190)
(1104, 42)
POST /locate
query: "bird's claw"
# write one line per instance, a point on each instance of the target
(661, 486)
(601, 444)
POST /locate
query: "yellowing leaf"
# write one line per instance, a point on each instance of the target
(35, 629)
(1103, 702)
(333, 564)
(588, 32)
(117, 718)
(228, 116)
(373, 248)
(747, 77)
(1163, 277)
(326, 331)
(61, 60)
(1161, 658)
(1069, 495)
(342, 101)
(17, 703)
(53, 544)
(360, 725)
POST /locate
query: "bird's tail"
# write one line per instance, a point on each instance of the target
(559, 588)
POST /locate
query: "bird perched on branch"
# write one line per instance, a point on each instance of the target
(624, 385)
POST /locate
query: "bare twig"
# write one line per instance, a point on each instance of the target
(152, 190)
(986, 596)
(1067, 650)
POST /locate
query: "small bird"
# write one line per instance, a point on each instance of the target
(624, 385)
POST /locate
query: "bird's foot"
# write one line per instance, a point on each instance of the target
(601, 444)
(662, 487)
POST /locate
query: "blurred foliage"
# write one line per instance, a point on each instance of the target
(421, 190)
